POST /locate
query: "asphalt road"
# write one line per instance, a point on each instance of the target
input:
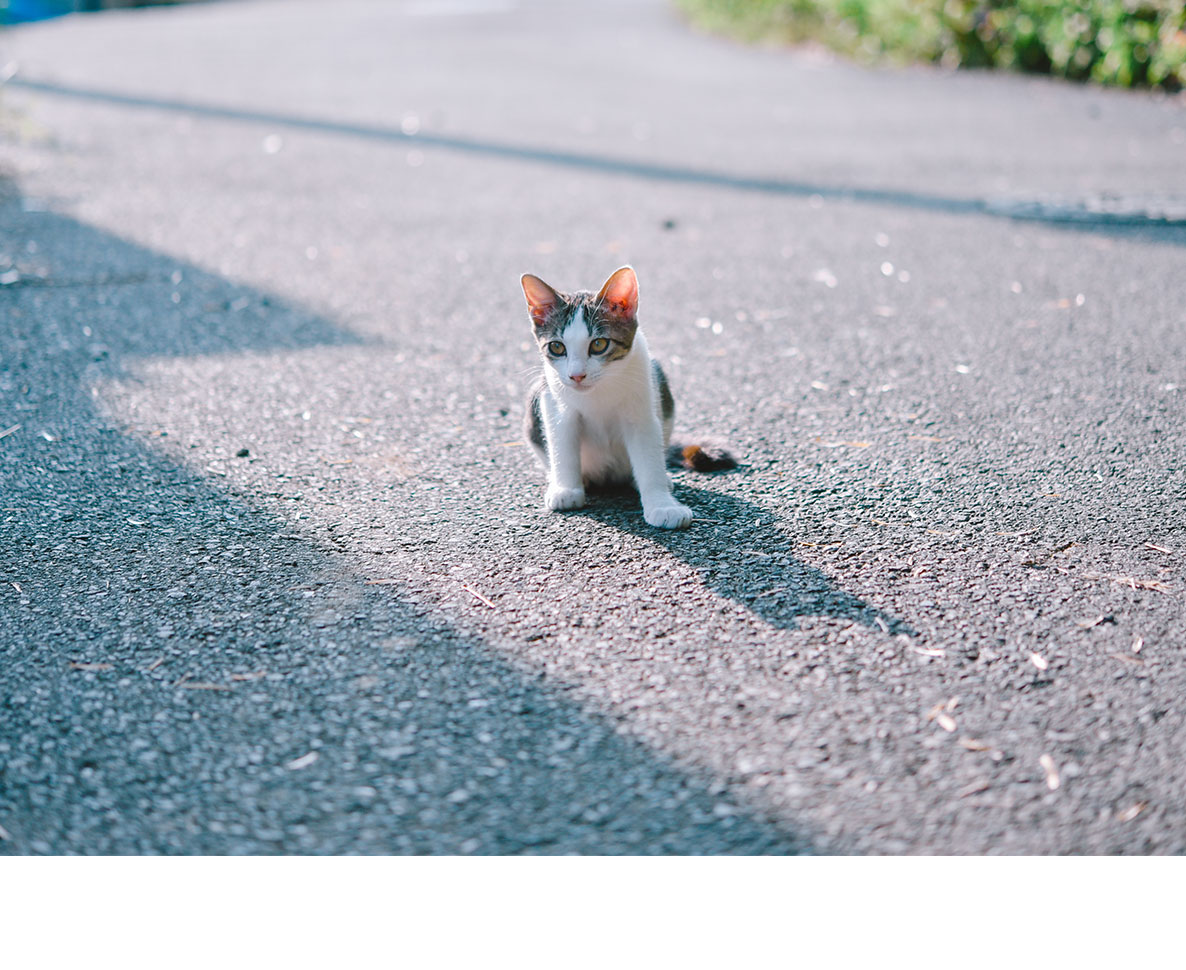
(276, 574)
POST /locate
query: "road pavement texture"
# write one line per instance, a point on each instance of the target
(277, 576)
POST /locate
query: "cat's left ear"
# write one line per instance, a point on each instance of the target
(541, 299)
(619, 296)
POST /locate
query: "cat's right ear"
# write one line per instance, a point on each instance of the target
(541, 299)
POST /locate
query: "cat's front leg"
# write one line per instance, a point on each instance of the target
(660, 509)
(565, 488)
(558, 498)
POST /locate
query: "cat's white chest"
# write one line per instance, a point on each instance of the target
(603, 450)
(606, 413)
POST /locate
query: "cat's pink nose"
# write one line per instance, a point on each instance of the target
(576, 378)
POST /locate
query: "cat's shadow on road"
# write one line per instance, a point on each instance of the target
(743, 553)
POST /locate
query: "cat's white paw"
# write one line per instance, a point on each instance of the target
(558, 499)
(668, 515)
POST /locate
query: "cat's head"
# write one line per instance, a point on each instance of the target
(581, 335)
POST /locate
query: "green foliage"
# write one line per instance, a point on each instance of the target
(1123, 42)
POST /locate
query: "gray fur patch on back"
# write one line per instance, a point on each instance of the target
(666, 401)
(533, 426)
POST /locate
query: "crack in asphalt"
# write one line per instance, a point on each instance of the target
(1078, 213)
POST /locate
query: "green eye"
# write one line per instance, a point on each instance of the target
(599, 346)
(556, 348)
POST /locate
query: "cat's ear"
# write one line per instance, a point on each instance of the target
(541, 299)
(619, 296)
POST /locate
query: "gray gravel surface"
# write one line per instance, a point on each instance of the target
(276, 571)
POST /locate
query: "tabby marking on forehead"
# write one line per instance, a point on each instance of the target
(557, 321)
(577, 331)
(598, 320)
(614, 327)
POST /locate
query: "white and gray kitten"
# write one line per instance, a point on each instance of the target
(601, 413)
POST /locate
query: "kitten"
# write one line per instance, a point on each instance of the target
(601, 413)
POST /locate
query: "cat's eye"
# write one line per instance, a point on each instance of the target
(598, 346)
(556, 348)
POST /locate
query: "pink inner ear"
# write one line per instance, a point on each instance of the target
(541, 298)
(620, 293)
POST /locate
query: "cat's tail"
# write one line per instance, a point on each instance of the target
(706, 457)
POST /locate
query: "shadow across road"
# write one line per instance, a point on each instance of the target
(182, 673)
